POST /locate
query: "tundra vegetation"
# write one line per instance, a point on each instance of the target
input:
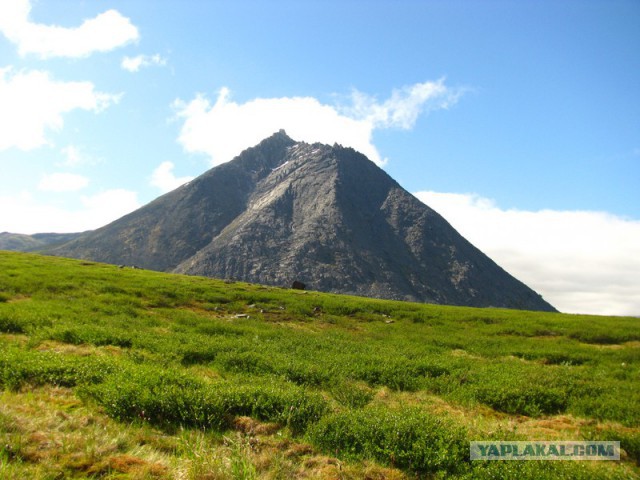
(114, 373)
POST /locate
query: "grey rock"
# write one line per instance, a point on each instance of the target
(298, 285)
(325, 215)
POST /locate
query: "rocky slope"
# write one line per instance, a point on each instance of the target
(323, 215)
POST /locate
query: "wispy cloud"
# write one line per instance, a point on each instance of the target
(102, 33)
(225, 128)
(404, 106)
(164, 179)
(134, 64)
(580, 261)
(74, 156)
(32, 103)
(62, 182)
(24, 213)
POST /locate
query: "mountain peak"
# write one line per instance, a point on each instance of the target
(327, 216)
(278, 137)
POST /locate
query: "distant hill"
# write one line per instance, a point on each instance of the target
(322, 215)
(28, 243)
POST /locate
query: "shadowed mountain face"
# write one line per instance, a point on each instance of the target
(323, 215)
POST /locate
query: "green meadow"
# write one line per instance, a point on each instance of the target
(114, 373)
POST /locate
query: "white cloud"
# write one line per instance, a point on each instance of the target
(108, 206)
(223, 129)
(62, 182)
(134, 64)
(580, 261)
(163, 178)
(32, 102)
(74, 156)
(23, 213)
(102, 33)
(404, 106)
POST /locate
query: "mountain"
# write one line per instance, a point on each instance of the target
(323, 215)
(28, 243)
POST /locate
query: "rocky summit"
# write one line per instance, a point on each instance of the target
(325, 216)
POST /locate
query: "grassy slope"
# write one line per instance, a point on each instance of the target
(120, 373)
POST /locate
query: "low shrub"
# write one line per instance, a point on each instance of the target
(409, 439)
(218, 329)
(245, 362)
(273, 401)
(10, 324)
(564, 359)
(395, 373)
(533, 470)
(21, 367)
(159, 397)
(532, 400)
(302, 373)
(523, 389)
(602, 336)
(352, 394)
(201, 355)
(629, 440)
(170, 399)
(14, 319)
(93, 335)
(619, 403)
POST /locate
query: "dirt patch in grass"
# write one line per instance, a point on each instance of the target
(250, 426)
(16, 338)
(57, 433)
(82, 350)
(134, 467)
(49, 433)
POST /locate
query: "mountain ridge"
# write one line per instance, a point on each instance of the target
(20, 242)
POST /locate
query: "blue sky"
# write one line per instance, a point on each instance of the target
(519, 121)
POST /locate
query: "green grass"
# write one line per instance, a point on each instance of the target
(362, 387)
